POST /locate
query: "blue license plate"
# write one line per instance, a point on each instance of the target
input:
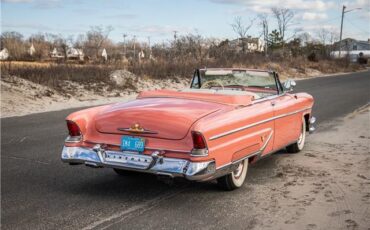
(136, 144)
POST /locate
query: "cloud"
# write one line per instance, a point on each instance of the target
(265, 5)
(120, 16)
(159, 30)
(318, 27)
(364, 12)
(17, 1)
(48, 4)
(311, 16)
(39, 4)
(25, 26)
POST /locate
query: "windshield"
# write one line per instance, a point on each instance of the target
(258, 82)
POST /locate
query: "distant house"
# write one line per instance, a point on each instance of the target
(31, 50)
(352, 48)
(4, 54)
(104, 54)
(141, 54)
(250, 44)
(350, 44)
(73, 53)
(56, 54)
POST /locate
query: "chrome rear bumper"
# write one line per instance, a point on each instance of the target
(154, 163)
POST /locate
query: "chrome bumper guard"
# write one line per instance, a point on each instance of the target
(154, 163)
(312, 121)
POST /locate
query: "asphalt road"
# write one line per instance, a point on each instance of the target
(38, 191)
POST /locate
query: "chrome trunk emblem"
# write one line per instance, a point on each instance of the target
(137, 128)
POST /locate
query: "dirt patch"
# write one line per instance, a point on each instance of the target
(327, 185)
(21, 97)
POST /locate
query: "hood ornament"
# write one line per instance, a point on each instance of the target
(137, 128)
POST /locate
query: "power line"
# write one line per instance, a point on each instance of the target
(358, 28)
(328, 20)
(323, 21)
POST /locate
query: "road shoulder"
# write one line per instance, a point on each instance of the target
(327, 186)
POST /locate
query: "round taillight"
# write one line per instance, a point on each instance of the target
(73, 129)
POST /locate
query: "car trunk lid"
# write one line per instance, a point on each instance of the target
(167, 118)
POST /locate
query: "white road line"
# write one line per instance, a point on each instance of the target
(118, 217)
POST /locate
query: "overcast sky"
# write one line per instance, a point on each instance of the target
(159, 18)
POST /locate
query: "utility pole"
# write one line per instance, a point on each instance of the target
(341, 31)
(134, 47)
(124, 45)
(341, 26)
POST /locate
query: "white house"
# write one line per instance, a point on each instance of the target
(31, 50)
(73, 53)
(141, 55)
(350, 44)
(352, 48)
(104, 54)
(251, 44)
(4, 54)
(353, 55)
(56, 54)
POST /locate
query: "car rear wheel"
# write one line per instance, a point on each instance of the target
(298, 146)
(236, 178)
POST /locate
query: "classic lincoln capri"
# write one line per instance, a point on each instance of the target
(226, 120)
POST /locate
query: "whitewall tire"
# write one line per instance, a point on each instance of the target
(298, 146)
(236, 178)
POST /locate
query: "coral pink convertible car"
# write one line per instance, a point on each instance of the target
(227, 119)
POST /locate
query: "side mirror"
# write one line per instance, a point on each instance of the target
(289, 85)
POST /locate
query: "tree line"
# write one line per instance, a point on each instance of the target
(282, 40)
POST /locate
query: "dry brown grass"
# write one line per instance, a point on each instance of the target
(54, 75)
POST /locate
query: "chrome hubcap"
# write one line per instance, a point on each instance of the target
(300, 138)
(238, 171)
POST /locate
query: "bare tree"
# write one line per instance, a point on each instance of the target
(13, 41)
(333, 36)
(323, 35)
(63, 43)
(283, 18)
(51, 40)
(41, 45)
(96, 37)
(241, 29)
(305, 38)
(79, 41)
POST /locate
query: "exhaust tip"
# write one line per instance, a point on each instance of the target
(165, 178)
(92, 165)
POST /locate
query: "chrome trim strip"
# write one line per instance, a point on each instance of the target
(267, 98)
(256, 123)
(73, 139)
(199, 152)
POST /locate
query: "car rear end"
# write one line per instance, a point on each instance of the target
(117, 138)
